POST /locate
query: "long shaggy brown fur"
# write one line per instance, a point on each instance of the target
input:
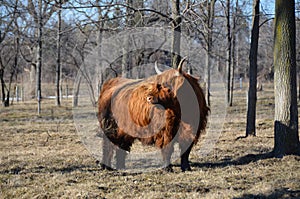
(121, 99)
(130, 109)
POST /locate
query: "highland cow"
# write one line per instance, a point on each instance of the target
(130, 110)
(180, 102)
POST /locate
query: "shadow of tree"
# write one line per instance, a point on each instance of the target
(239, 161)
(67, 169)
(277, 193)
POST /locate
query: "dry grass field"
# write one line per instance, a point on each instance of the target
(43, 157)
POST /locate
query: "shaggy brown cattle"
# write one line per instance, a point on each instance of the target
(184, 96)
(131, 109)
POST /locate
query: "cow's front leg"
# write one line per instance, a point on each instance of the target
(185, 153)
(166, 154)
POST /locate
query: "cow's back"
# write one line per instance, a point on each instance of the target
(109, 90)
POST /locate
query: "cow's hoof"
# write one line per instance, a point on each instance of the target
(105, 167)
(168, 169)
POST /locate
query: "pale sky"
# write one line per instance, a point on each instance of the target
(268, 6)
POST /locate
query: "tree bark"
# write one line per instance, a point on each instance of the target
(39, 57)
(2, 85)
(76, 90)
(228, 61)
(252, 92)
(58, 63)
(286, 111)
(99, 71)
(13, 69)
(233, 53)
(126, 71)
(176, 37)
(210, 21)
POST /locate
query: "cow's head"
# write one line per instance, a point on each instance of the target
(158, 94)
(187, 90)
(175, 78)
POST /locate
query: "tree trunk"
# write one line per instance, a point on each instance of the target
(126, 71)
(234, 32)
(99, 70)
(13, 70)
(2, 85)
(252, 94)
(32, 74)
(58, 63)
(76, 90)
(228, 61)
(286, 110)
(210, 21)
(125, 58)
(39, 58)
(175, 51)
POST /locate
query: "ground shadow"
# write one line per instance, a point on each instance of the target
(277, 193)
(232, 162)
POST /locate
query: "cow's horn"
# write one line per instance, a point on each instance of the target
(156, 68)
(181, 64)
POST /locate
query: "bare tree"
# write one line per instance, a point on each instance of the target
(10, 47)
(233, 51)
(252, 94)
(285, 84)
(209, 44)
(58, 58)
(40, 12)
(228, 56)
(39, 54)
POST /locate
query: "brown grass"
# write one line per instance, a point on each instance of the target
(43, 157)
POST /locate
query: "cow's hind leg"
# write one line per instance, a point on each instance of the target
(124, 144)
(166, 154)
(107, 153)
(120, 158)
